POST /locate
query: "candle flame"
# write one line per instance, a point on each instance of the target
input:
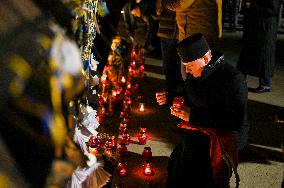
(141, 108)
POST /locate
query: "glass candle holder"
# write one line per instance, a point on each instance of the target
(110, 143)
(122, 149)
(108, 152)
(147, 169)
(123, 128)
(178, 102)
(122, 168)
(142, 138)
(125, 138)
(147, 154)
(95, 141)
(143, 129)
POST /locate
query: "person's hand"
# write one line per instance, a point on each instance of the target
(161, 97)
(182, 113)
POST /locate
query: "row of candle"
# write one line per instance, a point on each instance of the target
(147, 166)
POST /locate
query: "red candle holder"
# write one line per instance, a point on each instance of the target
(124, 114)
(128, 85)
(95, 141)
(143, 129)
(142, 138)
(123, 127)
(125, 138)
(122, 149)
(108, 152)
(122, 168)
(133, 54)
(110, 143)
(148, 169)
(122, 80)
(178, 102)
(147, 154)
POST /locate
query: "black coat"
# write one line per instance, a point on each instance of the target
(217, 99)
(257, 57)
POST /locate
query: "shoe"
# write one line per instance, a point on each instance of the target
(259, 89)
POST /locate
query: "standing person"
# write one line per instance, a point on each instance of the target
(257, 57)
(145, 9)
(216, 98)
(168, 36)
(198, 16)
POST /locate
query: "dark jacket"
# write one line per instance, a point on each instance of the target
(257, 57)
(218, 99)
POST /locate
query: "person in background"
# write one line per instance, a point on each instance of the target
(198, 16)
(216, 111)
(257, 57)
(168, 36)
(145, 9)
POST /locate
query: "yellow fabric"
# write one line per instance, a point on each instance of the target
(220, 24)
(58, 127)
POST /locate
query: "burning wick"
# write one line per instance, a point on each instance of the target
(123, 79)
(141, 107)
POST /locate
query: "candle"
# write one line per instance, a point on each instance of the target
(95, 141)
(142, 138)
(123, 80)
(141, 107)
(122, 168)
(108, 152)
(143, 129)
(128, 85)
(125, 138)
(147, 169)
(178, 102)
(123, 127)
(147, 154)
(133, 54)
(122, 149)
(110, 143)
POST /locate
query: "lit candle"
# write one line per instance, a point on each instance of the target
(125, 138)
(95, 141)
(143, 129)
(178, 102)
(122, 149)
(148, 169)
(133, 54)
(142, 138)
(128, 85)
(110, 143)
(123, 80)
(108, 152)
(141, 107)
(123, 128)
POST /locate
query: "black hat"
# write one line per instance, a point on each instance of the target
(192, 47)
